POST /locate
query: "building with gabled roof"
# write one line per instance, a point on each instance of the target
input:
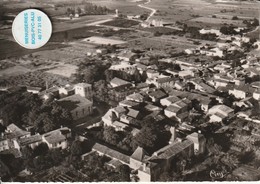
(137, 158)
(218, 113)
(104, 150)
(57, 138)
(199, 142)
(116, 82)
(78, 106)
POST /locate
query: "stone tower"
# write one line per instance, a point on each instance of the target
(84, 90)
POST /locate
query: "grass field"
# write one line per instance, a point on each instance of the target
(126, 7)
(125, 23)
(65, 70)
(217, 21)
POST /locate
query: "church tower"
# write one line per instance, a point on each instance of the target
(84, 90)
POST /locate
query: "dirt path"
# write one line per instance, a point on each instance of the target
(148, 8)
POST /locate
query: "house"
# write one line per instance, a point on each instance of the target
(15, 132)
(163, 159)
(34, 90)
(5, 143)
(156, 95)
(133, 113)
(119, 126)
(119, 111)
(213, 52)
(126, 56)
(84, 90)
(109, 117)
(199, 142)
(201, 86)
(242, 91)
(116, 82)
(66, 91)
(78, 106)
(50, 93)
(152, 73)
(128, 103)
(220, 112)
(111, 153)
(141, 67)
(151, 107)
(256, 94)
(101, 51)
(123, 66)
(161, 81)
(57, 138)
(169, 100)
(137, 158)
(31, 141)
(121, 92)
(127, 119)
(137, 97)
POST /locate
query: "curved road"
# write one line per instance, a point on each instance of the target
(148, 8)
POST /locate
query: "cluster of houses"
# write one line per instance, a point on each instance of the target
(14, 139)
(77, 99)
(226, 44)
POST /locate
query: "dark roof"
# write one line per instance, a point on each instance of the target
(157, 94)
(73, 102)
(111, 153)
(171, 150)
(133, 113)
(30, 140)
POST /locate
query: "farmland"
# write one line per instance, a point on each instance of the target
(217, 21)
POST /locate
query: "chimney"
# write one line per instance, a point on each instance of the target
(173, 137)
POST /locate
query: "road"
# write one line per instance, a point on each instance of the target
(153, 11)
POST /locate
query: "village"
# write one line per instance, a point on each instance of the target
(192, 115)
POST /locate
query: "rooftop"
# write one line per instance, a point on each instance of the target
(30, 140)
(16, 131)
(171, 150)
(139, 154)
(111, 153)
(157, 94)
(119, 82)
(73, 102)
(57, 136)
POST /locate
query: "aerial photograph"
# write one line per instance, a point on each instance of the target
(131, 91)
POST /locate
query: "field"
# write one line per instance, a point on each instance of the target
(126, 7)
(217, 21)
(186, 10)
(124, 23)
(103, 41)
(65, 70)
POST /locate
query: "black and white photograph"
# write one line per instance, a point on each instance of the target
(129, 90)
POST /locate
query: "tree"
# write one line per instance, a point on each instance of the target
(234, 18)
(110, 135)
(137, 76)
(76, 148)
(41, 149)
(56, 156)
(27, 152)
(144, 76)
(124, 173)
(79, 11)
(146, 138)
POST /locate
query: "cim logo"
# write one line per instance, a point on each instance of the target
(217, 174)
